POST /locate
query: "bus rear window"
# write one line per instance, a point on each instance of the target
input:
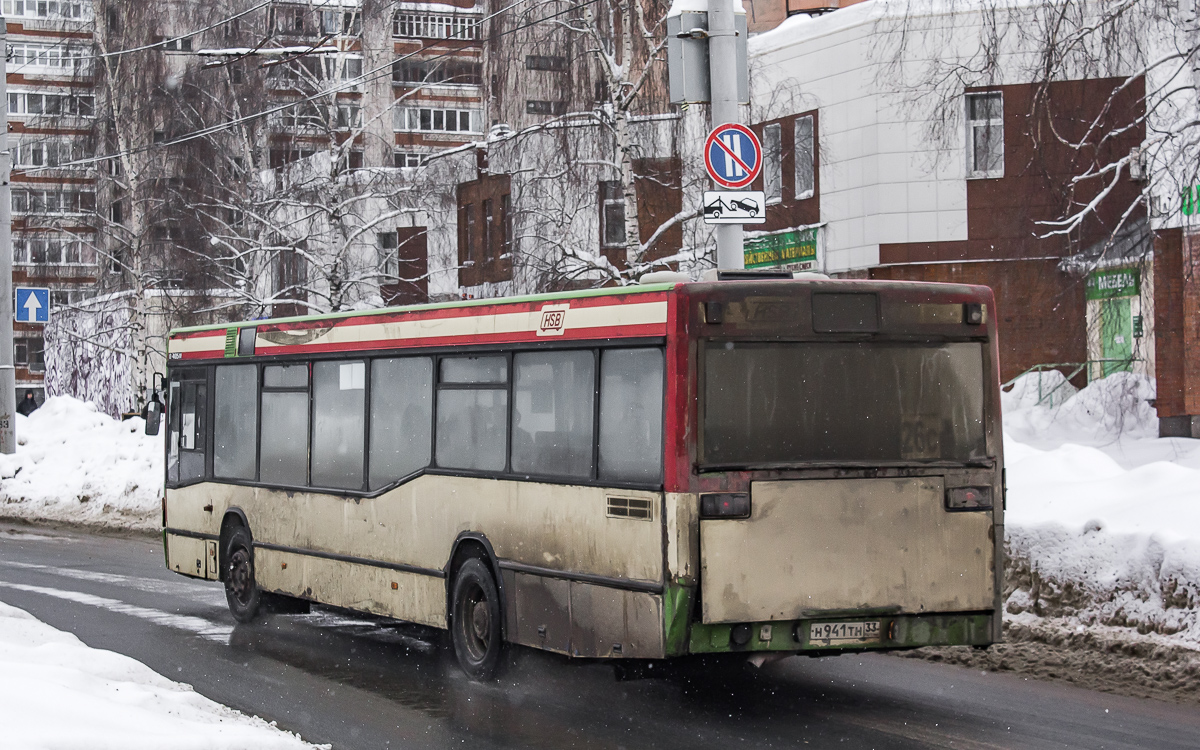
(782, 404)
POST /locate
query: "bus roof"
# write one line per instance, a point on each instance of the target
(550, 296)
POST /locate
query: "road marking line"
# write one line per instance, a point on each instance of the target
(203, 592)
(199, 626)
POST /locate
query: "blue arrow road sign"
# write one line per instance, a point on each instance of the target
(733, 156)
(33, 304)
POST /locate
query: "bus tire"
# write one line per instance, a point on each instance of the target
(475, 621)
(241, 590)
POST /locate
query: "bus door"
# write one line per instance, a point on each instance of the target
(187, 447)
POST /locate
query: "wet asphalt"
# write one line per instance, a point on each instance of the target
(361, 682)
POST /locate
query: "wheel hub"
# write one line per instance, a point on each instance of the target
(481, 621)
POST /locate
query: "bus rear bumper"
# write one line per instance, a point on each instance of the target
(841, 634)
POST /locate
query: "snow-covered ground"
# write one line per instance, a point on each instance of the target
(76, 464)
(1103, 523)
(57, 692)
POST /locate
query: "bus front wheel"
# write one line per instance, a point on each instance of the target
(475, 621)
(241, 590)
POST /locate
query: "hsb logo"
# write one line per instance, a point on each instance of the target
(553, 320)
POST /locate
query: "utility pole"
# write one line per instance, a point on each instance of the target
(8, 376)
(723, 78)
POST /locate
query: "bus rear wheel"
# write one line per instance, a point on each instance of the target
(475, 621)
(241, 590)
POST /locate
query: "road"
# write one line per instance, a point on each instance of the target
(368, 683)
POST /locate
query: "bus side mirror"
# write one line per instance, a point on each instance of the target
(154, 410)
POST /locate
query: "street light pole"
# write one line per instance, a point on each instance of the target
(8, 376)
(723, 80)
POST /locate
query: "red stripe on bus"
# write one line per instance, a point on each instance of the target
(581, 334)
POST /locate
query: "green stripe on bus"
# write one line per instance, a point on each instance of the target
(639, 289)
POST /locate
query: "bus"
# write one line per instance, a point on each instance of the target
(768, 467)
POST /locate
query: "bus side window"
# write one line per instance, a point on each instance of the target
(235, 422)
(339, 411)
(553, 403)
(472, 413)
(284, 443)
(401, 418)
(631, 414)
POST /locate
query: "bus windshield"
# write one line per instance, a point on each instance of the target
(770, 404)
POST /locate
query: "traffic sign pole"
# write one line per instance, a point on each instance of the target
(8, 376)
(722, 66)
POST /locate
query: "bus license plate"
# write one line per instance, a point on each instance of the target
(838, 633)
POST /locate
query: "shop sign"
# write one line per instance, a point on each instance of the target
(1116, 282)
(795, 250)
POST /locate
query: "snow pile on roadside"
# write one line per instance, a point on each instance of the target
(56, 692)
(1103, 521)
(76, 464)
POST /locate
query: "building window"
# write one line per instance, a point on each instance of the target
(183, 44)
(43, 9)
(341, 22)
(805, 157)
(389, 260)
(772, 163)
(545, 62)
(57, 202)
(506, 224)
(612, 214)
(30, 103)
(291, 276)
(349, 116)
(449, 72)
(433, 26)
(54, 58)
(489, 231)
(985, 135)
(411, 159)
(468, 251)
(435, 120)
(541, 107)
(45, 153)
(57, 251)
(29, 353)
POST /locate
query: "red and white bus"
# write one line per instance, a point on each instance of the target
(757, 466)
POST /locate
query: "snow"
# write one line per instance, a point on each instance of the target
(56, 692)
(1103, 519)
(76, 464)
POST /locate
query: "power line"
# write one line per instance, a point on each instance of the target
(143, 48)
(337, 88)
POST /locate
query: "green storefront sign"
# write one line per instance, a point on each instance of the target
(796, 250)
(1117, 282)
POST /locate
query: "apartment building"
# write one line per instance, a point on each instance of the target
(51, 105)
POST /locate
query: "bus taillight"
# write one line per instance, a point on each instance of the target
(725, 505)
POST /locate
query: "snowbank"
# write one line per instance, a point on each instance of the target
(57, 692)
(1103, 521)
(76, 464)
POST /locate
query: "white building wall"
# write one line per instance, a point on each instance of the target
(892, 162)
